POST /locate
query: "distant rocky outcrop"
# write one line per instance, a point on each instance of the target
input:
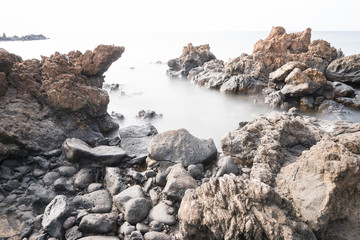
(30, 37)
(286, 69)
(44, 102)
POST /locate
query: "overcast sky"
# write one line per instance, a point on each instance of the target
(50, 17)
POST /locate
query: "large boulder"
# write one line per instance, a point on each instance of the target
(77, 151)
(234, 208)
(179, 146)
(345, 69)
(49, 100)
(321, 183)
(269, 140)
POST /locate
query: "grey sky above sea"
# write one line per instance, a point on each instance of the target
(22, 17)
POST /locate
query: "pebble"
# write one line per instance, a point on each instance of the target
(50, 178)
(161, 179)
(143, 228)
(37, 172)
(69, 222)
(94, 187)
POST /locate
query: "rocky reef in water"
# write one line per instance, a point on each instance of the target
(30, 37)
(286, 69)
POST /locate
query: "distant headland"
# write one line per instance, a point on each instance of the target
(30, 37)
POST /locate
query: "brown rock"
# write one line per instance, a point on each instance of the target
(191, 57)
(320, 186)
(230, 207)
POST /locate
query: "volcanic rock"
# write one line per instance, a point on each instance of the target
(345, 69)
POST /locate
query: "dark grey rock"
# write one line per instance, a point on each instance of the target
(67, 171)
(150, 173)
(69, 222)
(62, 185)
(156, 236)
(52, 153)
(42, 162)
(149, 183)
(345, 69)
(227, 166)
(343, 90)
(50, 178)
(77, 151)
(147, 115)
(99, 201)
(156, 226)
(196, 171)
(161, 179)
(55, 213)
(98, 223)
(113, 180)
(11, 185)
(84, 177)
(42, 195)
(162, 213)
(135, 139)
(180, 146)
(73, 233)
(178, 181)
(23, 169)
(133, 203)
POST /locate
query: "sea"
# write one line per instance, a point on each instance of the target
(144, 84)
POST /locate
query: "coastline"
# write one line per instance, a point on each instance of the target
(65, 179)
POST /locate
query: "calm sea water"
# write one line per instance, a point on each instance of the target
(144, 84)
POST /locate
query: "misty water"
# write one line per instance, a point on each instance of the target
(144, 84)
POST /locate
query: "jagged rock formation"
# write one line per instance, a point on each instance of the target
(302, 183)
(271, 68)
(43, 102)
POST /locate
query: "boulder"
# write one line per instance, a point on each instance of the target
(269, 140)
(133, 203)
(77, 151)
(331, 168)
(98, 223)
(99, 201)
(178, 181)
(55, 213)
(179, 146)
(135, 139)
(230, 207)
(300, 83)
(345, 69)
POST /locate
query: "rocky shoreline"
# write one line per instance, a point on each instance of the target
(29, 37)
(279, 176)
(285, 70)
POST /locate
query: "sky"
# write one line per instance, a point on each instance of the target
(48, 17)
